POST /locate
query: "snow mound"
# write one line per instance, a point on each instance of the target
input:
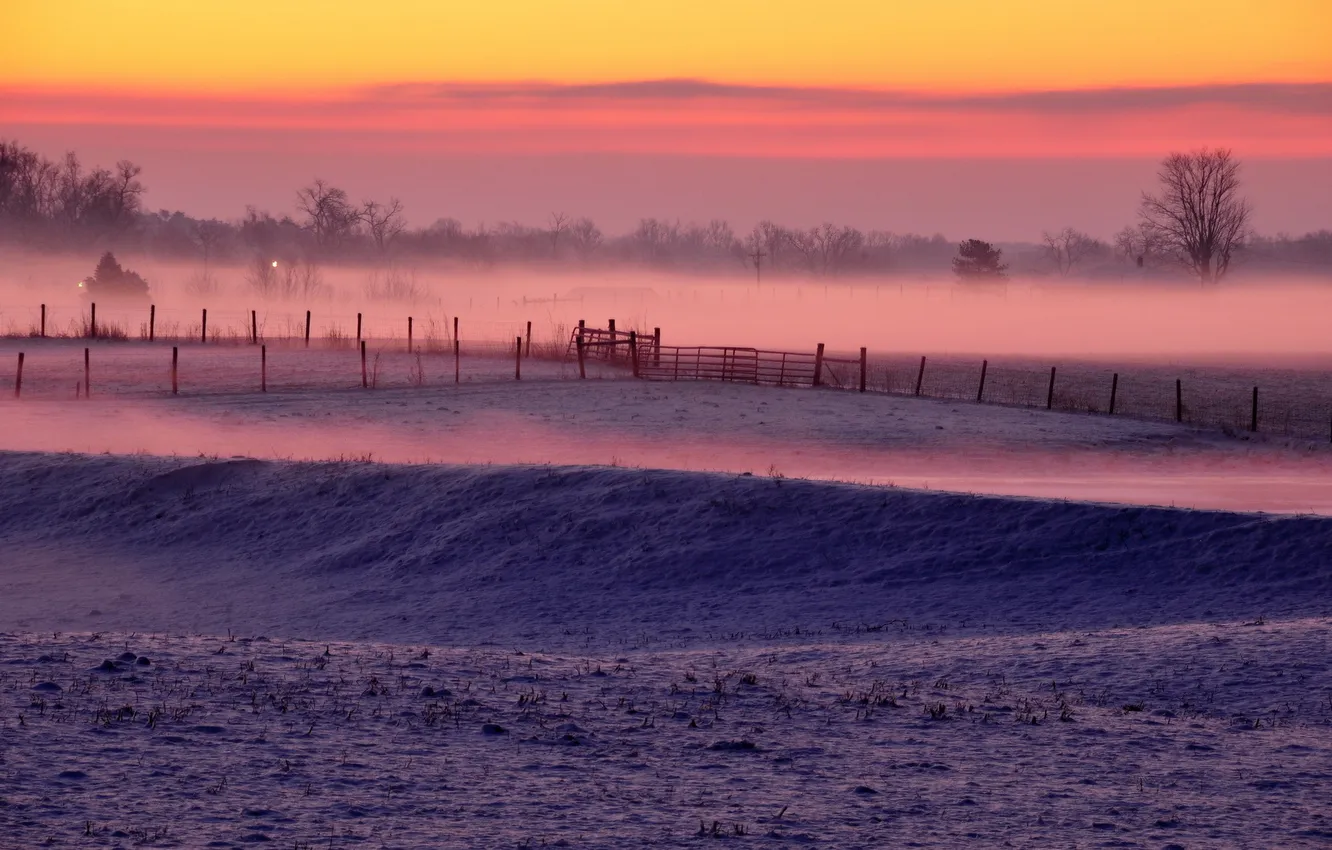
(196, 477)
(357, 550)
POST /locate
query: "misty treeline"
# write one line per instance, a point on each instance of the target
(65, 205)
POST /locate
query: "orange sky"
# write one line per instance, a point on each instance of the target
(936, 45)
(755, 79)
(788, 78)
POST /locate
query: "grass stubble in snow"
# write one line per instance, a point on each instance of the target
(1193, 735)
(238, 652)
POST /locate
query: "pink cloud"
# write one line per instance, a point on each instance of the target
(702, 118)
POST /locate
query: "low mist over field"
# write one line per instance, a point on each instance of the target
(1250, 318)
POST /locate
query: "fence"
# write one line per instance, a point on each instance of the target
(1286, 402)
(325, 325)
(1289, 403)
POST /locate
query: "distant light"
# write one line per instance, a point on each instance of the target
(275, 264)
(80, 284)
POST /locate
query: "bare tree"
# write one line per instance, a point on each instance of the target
(559, 223)
(655, 240)
(329, 215)
(70, 191)
(1199, 216)
(385, 222)
(828, 248)
(586, 238)
(1067, 248)
(839, 247)
(1139, 245)
(27, 184)
(125, 193)
(209, 234)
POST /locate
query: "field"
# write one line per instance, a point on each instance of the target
(340, 653)
(606, 613)
(922, 734)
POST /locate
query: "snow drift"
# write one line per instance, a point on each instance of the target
(440, 553)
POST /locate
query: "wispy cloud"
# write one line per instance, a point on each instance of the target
(1300, 98)
(702, 117)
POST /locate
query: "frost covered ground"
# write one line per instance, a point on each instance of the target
(1208, 734)
(316, 410)
(544, 649)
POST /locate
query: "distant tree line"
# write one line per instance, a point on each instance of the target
(1197, 225)
(61, 201)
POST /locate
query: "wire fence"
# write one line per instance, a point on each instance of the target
(1286, 402)
(287, 350)
(272, 324)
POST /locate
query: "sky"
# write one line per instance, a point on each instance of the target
(1001, 116)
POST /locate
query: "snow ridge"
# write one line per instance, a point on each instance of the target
(446, 553)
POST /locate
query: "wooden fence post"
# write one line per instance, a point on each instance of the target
(307, 328)
(920, 376)
(656, 346)
(254, 327)
(263, 368)
(529, 339)
(203, 337)
(1114, 389)
(365, 377)
(980, 391)
(358, 327)
(1253, 421)
(1179, 400)
(43, 321)
(633, 351)
(87, 374)
(92, 321)
(409, 334)
(610, 352)
(18, 378)
(518, 359)
(152, 322)
(818, 366)
(582, 365)
(864, 364)
(175, 370)
(457, 353)
(1049, 398)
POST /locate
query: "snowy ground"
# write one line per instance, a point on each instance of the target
(1210, 735)
(1096, 674)
(661, 653)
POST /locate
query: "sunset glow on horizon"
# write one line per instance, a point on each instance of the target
(1018, 80)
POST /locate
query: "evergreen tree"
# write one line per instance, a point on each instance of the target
(111, 280)
(979, 261)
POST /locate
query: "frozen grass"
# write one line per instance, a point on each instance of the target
(920, 734)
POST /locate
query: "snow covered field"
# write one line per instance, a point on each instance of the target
(659, 653)
(1206, 734)
(560, 613)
